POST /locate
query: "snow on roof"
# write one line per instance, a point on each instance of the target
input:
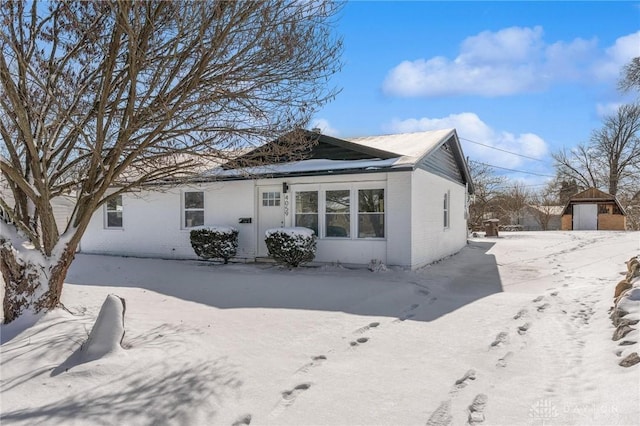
(413, 145)
(410, 148)
(308, 166)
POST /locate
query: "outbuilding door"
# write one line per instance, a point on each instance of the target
(585, 217)
(270, 213)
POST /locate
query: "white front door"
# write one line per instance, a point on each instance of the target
(585, 217)
(270, 213)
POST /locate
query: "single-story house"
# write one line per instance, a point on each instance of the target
(593, 209)
(399, 199)
(541, 217)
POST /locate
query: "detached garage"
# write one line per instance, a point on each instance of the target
(593, 209)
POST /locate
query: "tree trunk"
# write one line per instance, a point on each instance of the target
(29, 284)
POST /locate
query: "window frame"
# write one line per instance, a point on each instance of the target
(318, 206)
(447, 210)
(325, 213)
(383, 213)
(107, 210)
(186, 209)
(271, 196)
(353, 188)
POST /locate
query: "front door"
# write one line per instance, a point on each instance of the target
(585, 217)
(270, 213)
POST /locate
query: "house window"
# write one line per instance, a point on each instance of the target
(193, 209)
(371, 213)
(338, 214)
(446, 209)
(307, 209)
(113, 210)
(271, 199)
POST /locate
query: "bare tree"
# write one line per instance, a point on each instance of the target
(100, 95)
(618, 142)
(580, 165)
(511, 203)
(630, 78)
(611, 159)
(487, 187)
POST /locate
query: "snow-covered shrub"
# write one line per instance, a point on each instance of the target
(291, 246)
(215, 242)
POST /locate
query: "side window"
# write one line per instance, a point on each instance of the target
(193, 209)
(338, 214)
(113, 210)
(446, 209)
(307, 209)
(371, 213)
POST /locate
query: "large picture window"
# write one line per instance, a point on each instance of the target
(193, 209)
(338, 214)
(307, 209)
(113, 210)
(371, 213)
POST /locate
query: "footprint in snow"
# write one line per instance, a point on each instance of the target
(502, 337)
(441, 416)
(287, 398)
(524, 328)
(359, 341)
(243, 420)
(502, 362)
(537, 299)
(542, 308)
(422, 291)
(520, 314)
(315, 361)
(476, 409)
(367, 327)
(463, 381)
(292, 394)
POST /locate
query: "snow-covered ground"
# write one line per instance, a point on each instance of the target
(517, 324)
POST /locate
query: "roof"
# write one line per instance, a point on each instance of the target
(413, 145)
(550, 210)
(368, 154)
(593, 195)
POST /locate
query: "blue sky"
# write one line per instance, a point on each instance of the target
(528, 77)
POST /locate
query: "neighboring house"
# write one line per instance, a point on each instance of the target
(593, 209)
(62, 206)
(399, 199)
(541, 218)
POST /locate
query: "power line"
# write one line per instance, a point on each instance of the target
(512, 170)
(526, 186)
(502, 150)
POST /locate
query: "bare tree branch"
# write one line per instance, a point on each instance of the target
(102, 94)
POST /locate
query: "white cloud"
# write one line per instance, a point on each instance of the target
(470, 127)
(325, 127)
(604, 110)
(510, 61)
(510, 45)
(623, 50)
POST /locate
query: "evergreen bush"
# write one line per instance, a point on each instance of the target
(215, 242)
(291, 246)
